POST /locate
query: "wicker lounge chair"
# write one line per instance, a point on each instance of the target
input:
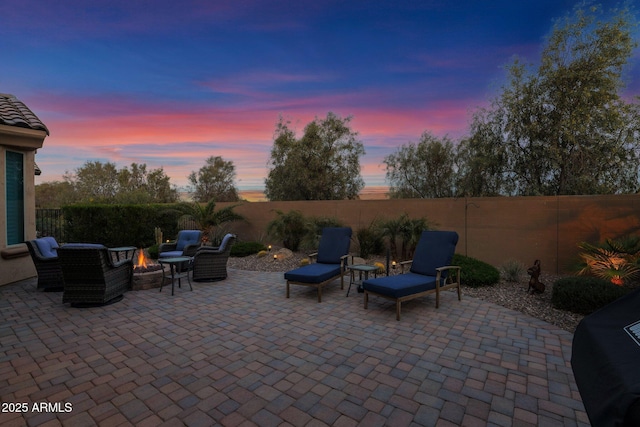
(331, 261)
(186, 244)
(91, 277)
(210, 263)
(45, 257)
(428, 273)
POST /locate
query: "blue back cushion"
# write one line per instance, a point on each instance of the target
(187, 237)
(225, 241)
(47, 247)
(334, 244)
(435, 249)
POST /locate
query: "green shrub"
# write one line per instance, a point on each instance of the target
(243, 249)
(153, 251)
(476, 273)
(584, 294)
(119, 225)
(370, 241)
(290, 228)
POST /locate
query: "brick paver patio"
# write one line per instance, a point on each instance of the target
(238, 352)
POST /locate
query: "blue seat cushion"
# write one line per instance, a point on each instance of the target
(47, 247)
(313, 273)
(170, 254)
(401, 285)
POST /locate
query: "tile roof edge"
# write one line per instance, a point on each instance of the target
(14, 112)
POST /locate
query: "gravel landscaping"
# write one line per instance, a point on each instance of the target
(507, 294)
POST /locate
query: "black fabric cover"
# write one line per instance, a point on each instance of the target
(606, 363)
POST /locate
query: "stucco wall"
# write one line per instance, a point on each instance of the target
(493, 229)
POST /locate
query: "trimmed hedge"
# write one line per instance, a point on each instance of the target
(584, 294)
(120, 225)
(476, 273)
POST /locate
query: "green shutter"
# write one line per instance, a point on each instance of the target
(15, 197)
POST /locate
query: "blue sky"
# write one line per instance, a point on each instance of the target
(172, 83)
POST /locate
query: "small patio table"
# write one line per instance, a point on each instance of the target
(125, 249)
(179, 267)
(361, 268)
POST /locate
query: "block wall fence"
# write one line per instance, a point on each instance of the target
(492, 229)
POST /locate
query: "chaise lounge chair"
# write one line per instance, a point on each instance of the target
(428, 273)
(331, 261)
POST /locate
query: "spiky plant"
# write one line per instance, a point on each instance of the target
(512, 270)
(615, 260)
(207, 218)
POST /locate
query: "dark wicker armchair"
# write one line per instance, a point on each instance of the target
(91, 277)
(210, 263)
(45, 257)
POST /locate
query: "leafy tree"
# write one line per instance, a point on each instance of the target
(159, 187)
(54, 194)
(104, 183)
(563, 129)
(136, 185)
(322, 165)
(215, 180)
(423, 170)
(481, 160)
(95, 181)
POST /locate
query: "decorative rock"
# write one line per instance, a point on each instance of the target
(284, 253)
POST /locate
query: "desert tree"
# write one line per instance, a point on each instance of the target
(214, 181)
(424, 170)
(323, 164)
(562, 128)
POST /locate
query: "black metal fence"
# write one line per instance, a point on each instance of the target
(50, 222)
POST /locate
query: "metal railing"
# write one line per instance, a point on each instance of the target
(50, 222)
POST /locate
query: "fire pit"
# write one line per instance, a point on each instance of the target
(146, 274)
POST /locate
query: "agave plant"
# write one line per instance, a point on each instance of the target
(615, 260)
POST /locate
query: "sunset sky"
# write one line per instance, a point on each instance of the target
(170, 83)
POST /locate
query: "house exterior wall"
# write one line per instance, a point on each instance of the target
(15, 262)
(492, 229)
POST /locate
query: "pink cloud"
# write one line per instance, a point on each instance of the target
(180, 139)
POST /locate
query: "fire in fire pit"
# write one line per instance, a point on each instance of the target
(144, 264)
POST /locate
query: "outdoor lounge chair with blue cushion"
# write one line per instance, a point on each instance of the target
(186, 244)
(429, 272)
(44, 253)
(331, 261)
